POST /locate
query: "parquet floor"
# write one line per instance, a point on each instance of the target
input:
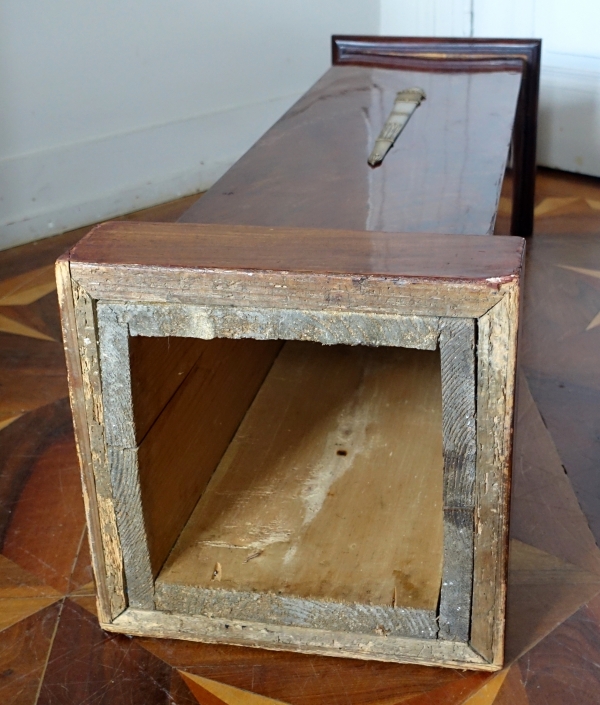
(51, 648)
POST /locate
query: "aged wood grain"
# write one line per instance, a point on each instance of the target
(122, 461)
(458, 355)
(284, 610)
(394, 295)
(458, 361)
(81, 352)
(497, 346)
(457, 578)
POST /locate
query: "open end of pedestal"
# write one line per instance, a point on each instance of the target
(329, 486)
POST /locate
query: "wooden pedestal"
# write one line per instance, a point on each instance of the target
(345, 492)
(294, 409)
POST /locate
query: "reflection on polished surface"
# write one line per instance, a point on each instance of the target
(231, 247)
(310, 170)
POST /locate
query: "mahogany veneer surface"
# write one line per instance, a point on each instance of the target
(298, 250)
(310, 169)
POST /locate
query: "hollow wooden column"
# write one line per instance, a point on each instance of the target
(460, 294)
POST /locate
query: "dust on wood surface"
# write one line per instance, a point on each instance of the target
(332, 486)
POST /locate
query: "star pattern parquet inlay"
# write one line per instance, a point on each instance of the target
(52, 650)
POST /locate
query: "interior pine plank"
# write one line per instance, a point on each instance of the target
(332, 486)
(185, 444)
(158, 367)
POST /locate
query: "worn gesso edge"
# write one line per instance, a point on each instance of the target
(325, 327)
(292, 290)
(428, 652)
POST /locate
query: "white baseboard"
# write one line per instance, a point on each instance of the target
(48, 192)
(569, 117)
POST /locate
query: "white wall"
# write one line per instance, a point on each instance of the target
(110, 106)
(119, 104)
(433, 18)
(569, 118)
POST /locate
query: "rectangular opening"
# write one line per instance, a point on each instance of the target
(292, 469)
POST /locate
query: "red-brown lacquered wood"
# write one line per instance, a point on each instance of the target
(310, 169)
(300, 250)
(459, 54)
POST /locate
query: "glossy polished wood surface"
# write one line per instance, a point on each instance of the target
(310, 169)
(475, 54)
(298, 250)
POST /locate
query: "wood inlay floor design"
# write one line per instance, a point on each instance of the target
(52, 651)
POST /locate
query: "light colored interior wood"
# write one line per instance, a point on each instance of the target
(332, 486)
(184, 445)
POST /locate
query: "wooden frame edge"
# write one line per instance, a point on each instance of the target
(303, 640)
(134, 318)
(288, 290)
(507, 296)
(122, 455)
(111, 602)
(82, 439)
(496, 381)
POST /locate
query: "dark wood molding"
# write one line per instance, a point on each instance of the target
(459, 54)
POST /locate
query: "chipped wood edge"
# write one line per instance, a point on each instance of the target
(325, 327)
(87, 341)
(291, 290)
(104, 544)
(428, 652)
(497, 352)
